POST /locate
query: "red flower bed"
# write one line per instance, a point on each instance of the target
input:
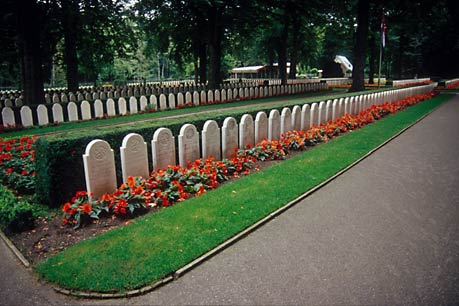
(175, 184)
(17, 167)
(454, 85)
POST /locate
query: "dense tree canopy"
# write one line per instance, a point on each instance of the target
(68, 42)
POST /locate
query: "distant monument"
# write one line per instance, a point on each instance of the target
(345, 65)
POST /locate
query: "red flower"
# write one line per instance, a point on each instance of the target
(85, 208)
(9, 170)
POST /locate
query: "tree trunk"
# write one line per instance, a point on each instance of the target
(296, 25)
(360, 47)
(29, 42)
(70, 27)
(215, 48)
(372, 47)
(196, 69)
(400, 54)
(202, 63)
(282, 53)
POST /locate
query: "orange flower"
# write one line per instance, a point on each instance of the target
(85, 208)
(67, 209)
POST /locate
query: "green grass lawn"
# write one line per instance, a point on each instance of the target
(156, 245)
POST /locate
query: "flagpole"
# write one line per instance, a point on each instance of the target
(380, 60)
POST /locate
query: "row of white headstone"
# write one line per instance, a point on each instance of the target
(99, 162)
(396, 83)
(451, 81)
(14, 98)
(163, 102)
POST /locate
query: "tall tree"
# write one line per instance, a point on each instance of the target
(28, 23)
(360, 47)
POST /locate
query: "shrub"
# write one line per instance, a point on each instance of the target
(15, 216)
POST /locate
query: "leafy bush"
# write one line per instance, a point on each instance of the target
(15, 216)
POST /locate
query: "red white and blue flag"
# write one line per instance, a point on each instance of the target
(383, 31)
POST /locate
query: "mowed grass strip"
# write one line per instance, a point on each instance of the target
(156, 245)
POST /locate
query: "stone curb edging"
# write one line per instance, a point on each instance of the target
(180, 272)
(15, 251)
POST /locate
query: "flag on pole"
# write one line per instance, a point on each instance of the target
(383, 31)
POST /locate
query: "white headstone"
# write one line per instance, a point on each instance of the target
(247, 93)
(134, 158)
(98, 109)
(203, 100)
(296, 118)
(274, 125)
(154, 102)
(72, 110)
(85, 110)
(230, 95)
(58, 113)
(246, 131)
(133, 109)
(122, 108)
(305, 117)
(64, 98)
(196, 98)
(235, 94)
(42, 114)
(143, 103)
(172, 103)
(335, 110)
(241, 93)
(223, 96)
(188, 144)
(56, 98)
(163, 149)
(261, 127)
(340, 107)
(188, 98)
(328, 110)
(286, 120)
(180, 102)
(18, 102)
(210, 97)
(229, 137)
(162, 102)
(26, 116)
(8, 117)
(217, 96)
(99, 168)
(211, 140)
(321, 113)
(346, 105)
(111, 110)
(313, 114)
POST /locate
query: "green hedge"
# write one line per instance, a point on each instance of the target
(15, 215)
(59, 162)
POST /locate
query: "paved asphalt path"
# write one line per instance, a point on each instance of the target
(385, 232)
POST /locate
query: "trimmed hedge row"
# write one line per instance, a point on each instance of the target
(59, 162)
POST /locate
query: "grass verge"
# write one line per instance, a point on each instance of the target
(156, 245)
